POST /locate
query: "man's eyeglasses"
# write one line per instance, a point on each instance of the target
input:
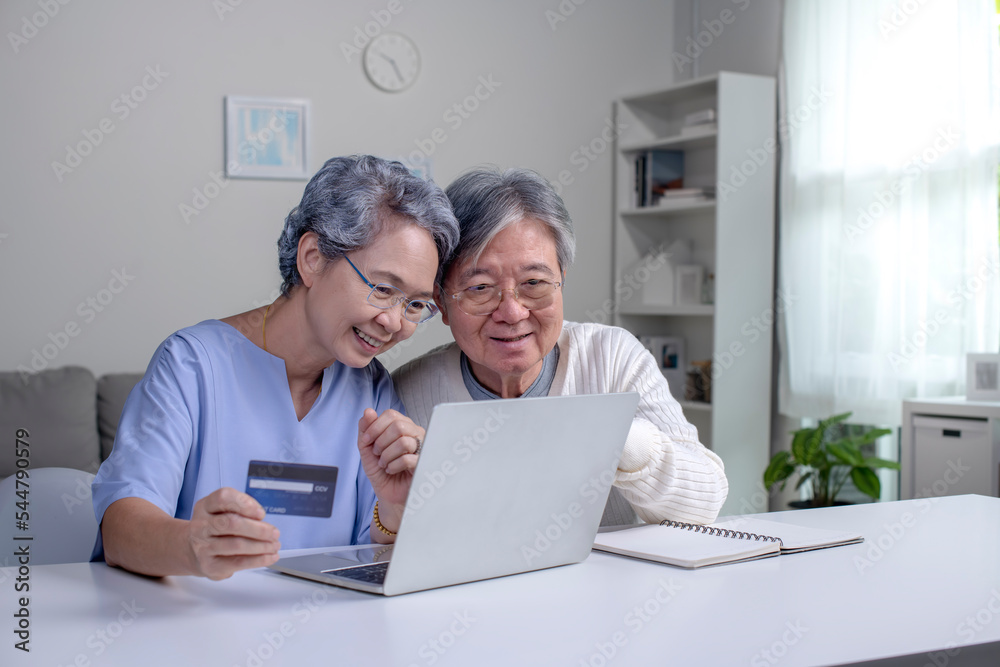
(386, 296)
(484, 299)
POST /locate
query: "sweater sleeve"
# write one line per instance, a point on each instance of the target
(432, 378)
(664, 471)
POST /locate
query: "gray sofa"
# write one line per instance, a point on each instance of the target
(71, 416)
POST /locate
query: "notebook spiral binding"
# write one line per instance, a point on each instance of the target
(721, 532)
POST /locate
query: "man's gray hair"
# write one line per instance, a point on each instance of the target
(347, 203)
(487, 200)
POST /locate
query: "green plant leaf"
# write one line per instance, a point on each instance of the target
(846, 452)
(778, 470)
(851, 445)
(867, 482)
(875, 462)
(836, 419)
(799, 444)
(871, 436)
(803, 479)
(840, 454)
(813, 454)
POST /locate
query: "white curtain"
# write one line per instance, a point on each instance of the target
(888, 246)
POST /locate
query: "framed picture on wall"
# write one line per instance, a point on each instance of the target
(418, 166)
(267, 137)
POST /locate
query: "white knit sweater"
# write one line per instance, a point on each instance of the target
(664, 472)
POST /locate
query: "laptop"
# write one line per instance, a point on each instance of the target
(501, 487)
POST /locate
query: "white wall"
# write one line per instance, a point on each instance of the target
(732, 35)
(61, 242)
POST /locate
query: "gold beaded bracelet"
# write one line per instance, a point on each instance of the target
(378, 524)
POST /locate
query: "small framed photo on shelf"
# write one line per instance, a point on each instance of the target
(668, 351)
(267, 137)
(982, 380)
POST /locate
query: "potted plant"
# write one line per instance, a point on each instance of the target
(827, 455)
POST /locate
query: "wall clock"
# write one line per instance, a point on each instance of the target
(391, 62)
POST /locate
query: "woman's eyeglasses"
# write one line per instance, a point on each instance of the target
(386, 296)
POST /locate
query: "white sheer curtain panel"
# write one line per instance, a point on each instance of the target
(889, 270)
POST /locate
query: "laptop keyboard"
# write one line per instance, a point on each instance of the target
(373, 574)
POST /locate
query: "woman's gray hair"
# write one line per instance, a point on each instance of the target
(347, 203)
(487, 200)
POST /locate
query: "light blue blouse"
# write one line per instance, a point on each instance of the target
(210, 402)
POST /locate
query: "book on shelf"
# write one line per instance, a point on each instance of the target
(657, 171)
(704, 128)
(676, 193)
(701, 117)
(699, 122)
(680, 197)
(732, 540)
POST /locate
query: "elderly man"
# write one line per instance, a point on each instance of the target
(501, 294)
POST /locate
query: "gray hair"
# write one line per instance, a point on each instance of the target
(347, 203)
(487, 200)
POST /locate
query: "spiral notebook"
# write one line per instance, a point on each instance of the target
(733, 540)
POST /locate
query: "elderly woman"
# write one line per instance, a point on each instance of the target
(294, 382)
(501, 294)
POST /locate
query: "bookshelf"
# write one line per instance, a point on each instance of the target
(730, 236)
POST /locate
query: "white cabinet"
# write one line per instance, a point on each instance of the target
(949, 446)
(731, 237)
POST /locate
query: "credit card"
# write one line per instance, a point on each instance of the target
(292, 488)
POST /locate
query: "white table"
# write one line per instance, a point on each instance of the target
(925, 569)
